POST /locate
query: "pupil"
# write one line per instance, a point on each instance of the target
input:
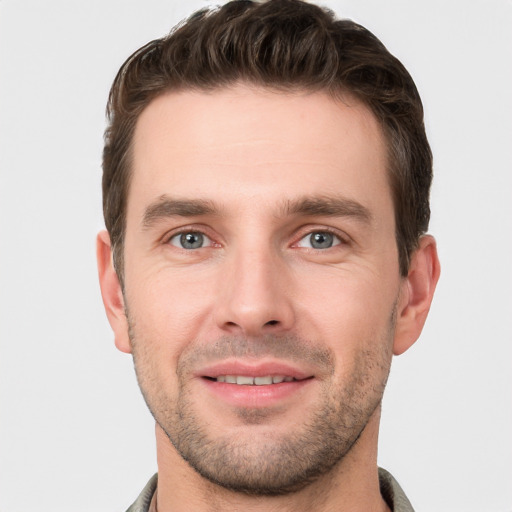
(191, 240)
(321, 240)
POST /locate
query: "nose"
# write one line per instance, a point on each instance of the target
(254, 295)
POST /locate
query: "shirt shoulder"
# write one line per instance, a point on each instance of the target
(143, 502)
(392, 492)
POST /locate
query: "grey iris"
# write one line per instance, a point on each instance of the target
(191, 240)
(321, 240)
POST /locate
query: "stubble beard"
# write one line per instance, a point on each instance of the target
(269, 464)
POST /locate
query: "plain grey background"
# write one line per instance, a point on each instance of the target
(74, 431)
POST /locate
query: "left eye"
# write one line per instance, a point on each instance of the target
(190, 240)
(319, 240)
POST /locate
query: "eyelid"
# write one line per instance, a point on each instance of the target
(191, 228)
(304, 232)
(207, 241)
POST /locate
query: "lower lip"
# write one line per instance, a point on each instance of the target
(255, 396)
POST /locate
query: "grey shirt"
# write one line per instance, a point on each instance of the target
(389, 488)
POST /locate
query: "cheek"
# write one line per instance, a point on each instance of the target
(350, 313)
(168, 309)
(348, 299)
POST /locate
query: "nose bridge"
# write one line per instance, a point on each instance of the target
(254, 298)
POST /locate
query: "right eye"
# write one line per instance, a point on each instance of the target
(190, 240)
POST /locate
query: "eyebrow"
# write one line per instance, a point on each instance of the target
(321, 206)
(327, 206)
(166, 207)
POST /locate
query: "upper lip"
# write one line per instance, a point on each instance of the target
(252, 369)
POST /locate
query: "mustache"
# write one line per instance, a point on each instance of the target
(288, 347)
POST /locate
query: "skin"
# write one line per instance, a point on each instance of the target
(258, 172)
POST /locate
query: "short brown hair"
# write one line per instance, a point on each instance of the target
(283, 44)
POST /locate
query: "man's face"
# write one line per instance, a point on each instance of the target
(261, 280)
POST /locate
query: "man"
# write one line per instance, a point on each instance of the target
(266, 181)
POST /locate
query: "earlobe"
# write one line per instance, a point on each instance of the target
(416, 294)
(111, 292)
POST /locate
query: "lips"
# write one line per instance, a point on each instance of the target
(254, 385)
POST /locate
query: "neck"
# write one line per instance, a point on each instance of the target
(352, 485)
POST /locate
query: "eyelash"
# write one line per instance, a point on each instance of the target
(342, 239)
(189, 230)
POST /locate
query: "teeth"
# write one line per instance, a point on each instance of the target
(261, 381)
(244, 380)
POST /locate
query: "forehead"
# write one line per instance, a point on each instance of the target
(244, 143)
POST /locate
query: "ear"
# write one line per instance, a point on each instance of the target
(111, 292)
(416, 294)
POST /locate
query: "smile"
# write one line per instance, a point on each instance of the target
(255, 386)
(245, 380)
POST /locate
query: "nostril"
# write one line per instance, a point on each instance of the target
(272, 322)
